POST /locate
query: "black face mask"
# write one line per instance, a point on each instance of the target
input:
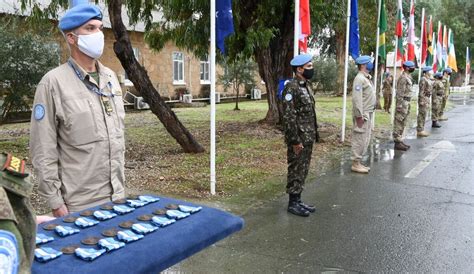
(410, 70)
(308, 74)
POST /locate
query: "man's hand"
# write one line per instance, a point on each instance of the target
(61, 211)
(43, 219)
(298, 148)
(359, 121)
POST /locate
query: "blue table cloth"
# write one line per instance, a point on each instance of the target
(155, 252)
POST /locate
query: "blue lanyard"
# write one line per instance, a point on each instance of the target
(90, 86)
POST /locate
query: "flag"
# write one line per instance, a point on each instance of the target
(468, 66)
(435, 50)
(411, 34)
(424, 44)
(439, 48)
(354, 47)
(429, 46)
(445, 47)
(224, 22)
(451, 53)
(399, 32)
(382, 31)
(305, 25)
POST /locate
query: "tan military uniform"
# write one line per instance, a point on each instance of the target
(437, 100)
(423, 101)
(363, 104)
(77, 147)
(403, 97)
(16, 215)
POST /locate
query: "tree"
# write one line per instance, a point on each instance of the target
(240, 72)
(137, 74)
(24, 57)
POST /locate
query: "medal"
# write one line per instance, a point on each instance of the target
(107, 104)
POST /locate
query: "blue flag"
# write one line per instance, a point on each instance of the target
(224, 22)
(354, 47)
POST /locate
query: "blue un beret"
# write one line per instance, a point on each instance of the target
(427, 68)
(409, 64)
(300, 60)
(363, 59)
(79, 14)
(448, 70)
(438, 75)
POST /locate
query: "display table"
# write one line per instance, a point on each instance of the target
(155, 252)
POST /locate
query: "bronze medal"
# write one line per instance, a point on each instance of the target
(90, 240)
(145, 217)
(172, 206)
(160, 212)
(70, 219)
(107, 105)
(107, 207)
(50, 226)
(120, 201)
(86, 213)
(127, 224)
(110, 232)
(69, 249)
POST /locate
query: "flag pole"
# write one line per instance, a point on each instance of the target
(376, 65)
(468, 73)
(213, 98)
(296, 36)
(346, 65)
(394, 81)
(421, 53)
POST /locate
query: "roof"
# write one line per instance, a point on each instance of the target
(13, 7)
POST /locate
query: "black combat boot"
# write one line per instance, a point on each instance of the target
(309, 208)
(295, 208)
(407, 146)
(400, 146)
(435, 124)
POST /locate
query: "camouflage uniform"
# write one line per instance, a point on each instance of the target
(446, 84)
(402, 103)
(387, 94)
(300, 125)
(424, 95)
(16, 214)
(437, 99)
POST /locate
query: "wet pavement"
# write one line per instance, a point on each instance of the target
(413, 212)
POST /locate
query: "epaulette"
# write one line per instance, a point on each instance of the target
(14, 166)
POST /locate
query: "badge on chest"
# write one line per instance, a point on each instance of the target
(106, 101)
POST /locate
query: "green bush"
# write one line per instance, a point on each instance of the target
(326, 71)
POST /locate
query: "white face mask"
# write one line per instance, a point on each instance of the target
(91, 45)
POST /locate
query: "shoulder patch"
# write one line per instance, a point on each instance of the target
(15, 166)
(288, 97)
(9, 252)
(39, 112)
(358, 87)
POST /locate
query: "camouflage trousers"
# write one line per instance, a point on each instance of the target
(436, 105)
(298, 167)
(360, 138)
(17, 218)
(443, 105)
(423, 107)
(387, 100)
(402, 111)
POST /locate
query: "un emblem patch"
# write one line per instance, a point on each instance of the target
(9, 262)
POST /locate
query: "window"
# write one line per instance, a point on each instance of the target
(178, 68)
(205, 65)
(136, 53)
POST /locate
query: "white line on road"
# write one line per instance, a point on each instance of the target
(423, 164)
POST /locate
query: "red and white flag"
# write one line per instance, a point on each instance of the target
(305, 25)
(411, 33)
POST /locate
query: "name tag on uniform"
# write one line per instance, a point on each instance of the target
(107, 104)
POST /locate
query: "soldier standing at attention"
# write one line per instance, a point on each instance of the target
(446, 75)
(300, 125)
(363, 105)
(402, 104)
(387, 92)
(423, 101)
(77, 125)
(437, 100)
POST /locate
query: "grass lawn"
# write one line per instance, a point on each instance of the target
(251, 157)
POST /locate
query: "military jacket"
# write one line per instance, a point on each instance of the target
(404, 85)
(438, 87)
(426, 86)
(363, 95)
(299, 117)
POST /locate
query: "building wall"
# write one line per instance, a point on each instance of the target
(159, 66)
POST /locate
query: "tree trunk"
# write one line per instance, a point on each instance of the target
(340, 55)
(236, 90)
(141, 81)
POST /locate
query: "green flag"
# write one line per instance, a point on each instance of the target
(382, 31)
